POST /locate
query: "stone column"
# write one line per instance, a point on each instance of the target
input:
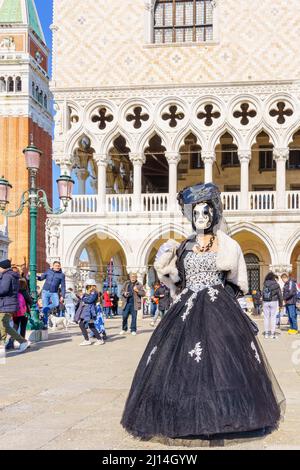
(70, 278)
(281, 156)
(173, 160)
(101, 161)
(82, 176)
(208, 157)
(66, 169)
(138, 162)
(244, 157)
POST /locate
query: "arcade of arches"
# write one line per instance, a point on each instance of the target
(191, 169)
(103, 258)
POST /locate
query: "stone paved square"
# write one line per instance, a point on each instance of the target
(62, 396)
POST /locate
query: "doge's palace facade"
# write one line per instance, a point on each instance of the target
(151, 96)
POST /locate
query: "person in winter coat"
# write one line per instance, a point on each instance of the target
(290, 292)
(71, 300)
(54, 279)
(272, 300)
(257, 301)
(86, 314)
(107, 304)
(132, 293)
(9, 304)
(99, 323)
(20, 319)
(162, 294)
(24, 290)
(115, 304)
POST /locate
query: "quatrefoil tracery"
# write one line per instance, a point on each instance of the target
(102, 118)
(281, 112)
(245, 114)
(208, 115)
(173, 116)
(137, 117)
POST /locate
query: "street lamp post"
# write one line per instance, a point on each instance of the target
(34, 198)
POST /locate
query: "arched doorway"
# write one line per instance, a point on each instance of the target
(295, 262)
(102, 258)
(253, 270)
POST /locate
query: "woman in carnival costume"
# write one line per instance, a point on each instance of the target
(203, 373)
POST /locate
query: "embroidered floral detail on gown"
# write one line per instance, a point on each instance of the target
(203, 372)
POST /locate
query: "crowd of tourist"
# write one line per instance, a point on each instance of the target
(90, 308)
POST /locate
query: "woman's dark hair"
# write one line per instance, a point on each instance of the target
(270, 277)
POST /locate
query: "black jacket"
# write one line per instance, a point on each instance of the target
(54, 280)
(163, 302)
(9, 289)
(290, 292)
(276, 293)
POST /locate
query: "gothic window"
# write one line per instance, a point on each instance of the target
(266, 161)
(230, 155)
(33, 89)
(40, 97)
(196, 160)
(2, 84)
(18, 84)
(45, 102)
(294, 160)
(10, 85)
(183, 21)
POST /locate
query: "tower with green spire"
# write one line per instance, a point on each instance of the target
(21, 12)
(24, 111)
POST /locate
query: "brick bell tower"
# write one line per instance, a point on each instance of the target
(25, 111)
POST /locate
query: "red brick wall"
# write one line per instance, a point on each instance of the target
(14, 137)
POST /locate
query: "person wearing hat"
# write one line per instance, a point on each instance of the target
(86, 314)
(203, 372)
(9, 305)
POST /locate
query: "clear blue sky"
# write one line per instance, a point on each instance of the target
(45, 11)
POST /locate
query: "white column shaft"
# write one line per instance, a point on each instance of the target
(137, 185)
(245, 160)
(281, 156)
(102, 186)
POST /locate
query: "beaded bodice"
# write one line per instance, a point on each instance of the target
(201, 271)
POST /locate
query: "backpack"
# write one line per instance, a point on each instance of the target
(267, 294)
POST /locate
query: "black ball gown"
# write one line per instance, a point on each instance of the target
(203, 372)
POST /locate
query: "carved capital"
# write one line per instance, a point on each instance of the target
(173, 157)
(149, 5)
(101, 160)
(281, 154)
(137, 159)
(244, 155)
(280, 269)
(208, 156)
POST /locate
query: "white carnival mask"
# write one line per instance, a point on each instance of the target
(202, 216)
